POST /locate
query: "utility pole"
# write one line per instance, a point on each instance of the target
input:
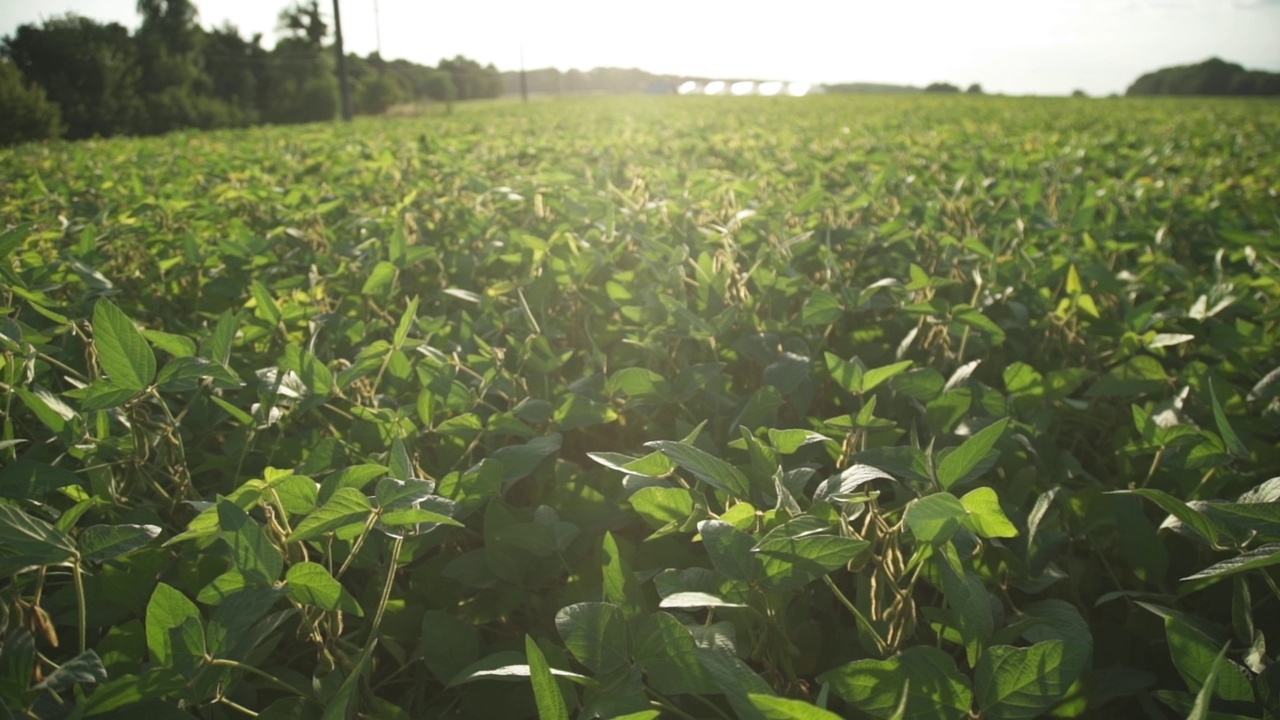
(344, 87)
(524, 85)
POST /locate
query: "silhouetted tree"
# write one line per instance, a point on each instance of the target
(28, 114)
(88, 69)
(974, 89)
(1211, 77)
(941, 88)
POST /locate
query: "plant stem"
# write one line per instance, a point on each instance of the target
(862, 620)
(81, 608)
(235, 665)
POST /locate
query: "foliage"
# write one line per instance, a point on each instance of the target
(941, 87)
(28, 114)
(884, 407)
(172, 74)
(1211, 77)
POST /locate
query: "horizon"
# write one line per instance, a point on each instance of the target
(1007, 47)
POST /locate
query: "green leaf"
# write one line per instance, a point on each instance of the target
(936, 690)
(546, 692)
(266, 307)
(793, 562)
(178, 346)
(956, 466)
(346, 508)
(935, 518)
(1020, 683)
(252, 553)
(596, 634)
(1200, 710)
(1137, 376)
(380, 280)
(665, 648)
(710, 469)
(519, 461)
(822, 308)
(729, 549)
(986, 517)
(1194, 655)
(99, 543)
(1229, 437)
(876, 376)
(776, 708)
(167, 612)
(83, 669)
(31, 480)
(122, 351)
(1180, 510)
(449, 644)
(407, 319)
(311, 584)
(1257, 558)
(969, 601)
(658, 506)
(620, 584)
(26, 541)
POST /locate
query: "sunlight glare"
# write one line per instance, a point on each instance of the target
(715, 87)
(770, 88)
(798, 89)
(743, 87)
(688, 87)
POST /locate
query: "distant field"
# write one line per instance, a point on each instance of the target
(902, 407)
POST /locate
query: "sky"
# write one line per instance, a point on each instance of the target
(1048, 47)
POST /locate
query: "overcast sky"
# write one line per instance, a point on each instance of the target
(1011, 46)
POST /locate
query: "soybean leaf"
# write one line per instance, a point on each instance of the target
(1195, 655)
(776, 708)
(1180, 510)
(311, 584)
(27, 541)
(28, 479)
(985, 514)
(449, 644)
(99, 543)
(729, 549)
(658, 506)
(1200, 710)
(1229, 437)
(935, 518)
(1257, 558)
(708, 468)
(252, 553)
(935, 689)
(792, 562)
(596, 634)
(167, 611)
(1020, 683)
(83, 669)
(620, 584)
(546, 692)
(347, 507)
(123, 352)
(956, 466)
(665, 647)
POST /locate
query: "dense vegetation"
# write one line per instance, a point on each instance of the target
(171, 73)
(1211, 77)
(915, 407)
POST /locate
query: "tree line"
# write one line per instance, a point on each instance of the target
(75, 77)
(1211, 77)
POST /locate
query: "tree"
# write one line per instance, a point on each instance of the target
(1078, 93)
(974, 89)
(376, 93)
(28, 114)
(941, 88)
(1211, 77)
(88, 69)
